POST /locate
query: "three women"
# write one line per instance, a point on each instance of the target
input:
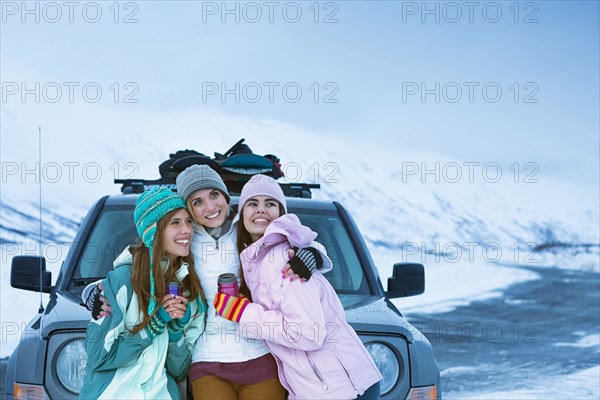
(318, 354)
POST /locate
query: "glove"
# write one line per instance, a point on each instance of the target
(230, 307)
(176, 326)
(93, 303)
(158, 322)
(305, 261)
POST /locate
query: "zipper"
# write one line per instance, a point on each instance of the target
(217, 248)
(317, 372)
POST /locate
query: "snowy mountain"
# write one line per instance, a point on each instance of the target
(19, 222)
(415, 203)
(404, 199)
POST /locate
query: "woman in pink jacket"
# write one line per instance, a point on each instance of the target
(318, 354)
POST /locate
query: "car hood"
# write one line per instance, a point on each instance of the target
(375, 314)
(63, 314)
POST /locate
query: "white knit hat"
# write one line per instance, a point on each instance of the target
(262, 185)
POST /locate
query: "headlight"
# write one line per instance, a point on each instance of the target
(387, 363)
(71, 363)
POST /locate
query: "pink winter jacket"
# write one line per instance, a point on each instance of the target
(318, 354)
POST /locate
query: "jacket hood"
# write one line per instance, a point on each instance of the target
(289, 226)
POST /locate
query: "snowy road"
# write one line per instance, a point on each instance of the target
(539, 340)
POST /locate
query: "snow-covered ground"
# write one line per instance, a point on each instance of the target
(449, 285)
(452, 284)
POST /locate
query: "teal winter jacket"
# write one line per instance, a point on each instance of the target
(133, 366)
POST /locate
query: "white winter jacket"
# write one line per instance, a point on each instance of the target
(221, 340)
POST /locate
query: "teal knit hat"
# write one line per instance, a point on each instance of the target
(149, 209)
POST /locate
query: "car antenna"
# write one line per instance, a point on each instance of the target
(41, 309)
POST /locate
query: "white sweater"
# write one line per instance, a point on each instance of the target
(221, 341)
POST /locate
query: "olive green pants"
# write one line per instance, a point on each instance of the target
(214, 388)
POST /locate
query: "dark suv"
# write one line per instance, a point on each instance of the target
(50, 361)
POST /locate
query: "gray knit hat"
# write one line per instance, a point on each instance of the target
(198, 177)
(262, 185)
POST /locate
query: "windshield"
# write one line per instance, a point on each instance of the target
(114, 231)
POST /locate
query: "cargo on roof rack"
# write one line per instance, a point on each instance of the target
(236, 166)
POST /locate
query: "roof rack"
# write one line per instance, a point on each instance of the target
(133, 186)
(236, 166)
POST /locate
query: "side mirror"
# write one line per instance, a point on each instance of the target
(25, 274)
(408, 280)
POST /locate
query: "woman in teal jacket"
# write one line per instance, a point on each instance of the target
(142, 348)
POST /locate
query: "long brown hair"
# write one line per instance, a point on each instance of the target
(141, 273)
(244, 240)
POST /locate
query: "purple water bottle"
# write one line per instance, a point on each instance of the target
(228, 284)
(174, 288)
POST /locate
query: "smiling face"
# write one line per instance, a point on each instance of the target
(259, 212)
(177, 235)
(209, 207)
